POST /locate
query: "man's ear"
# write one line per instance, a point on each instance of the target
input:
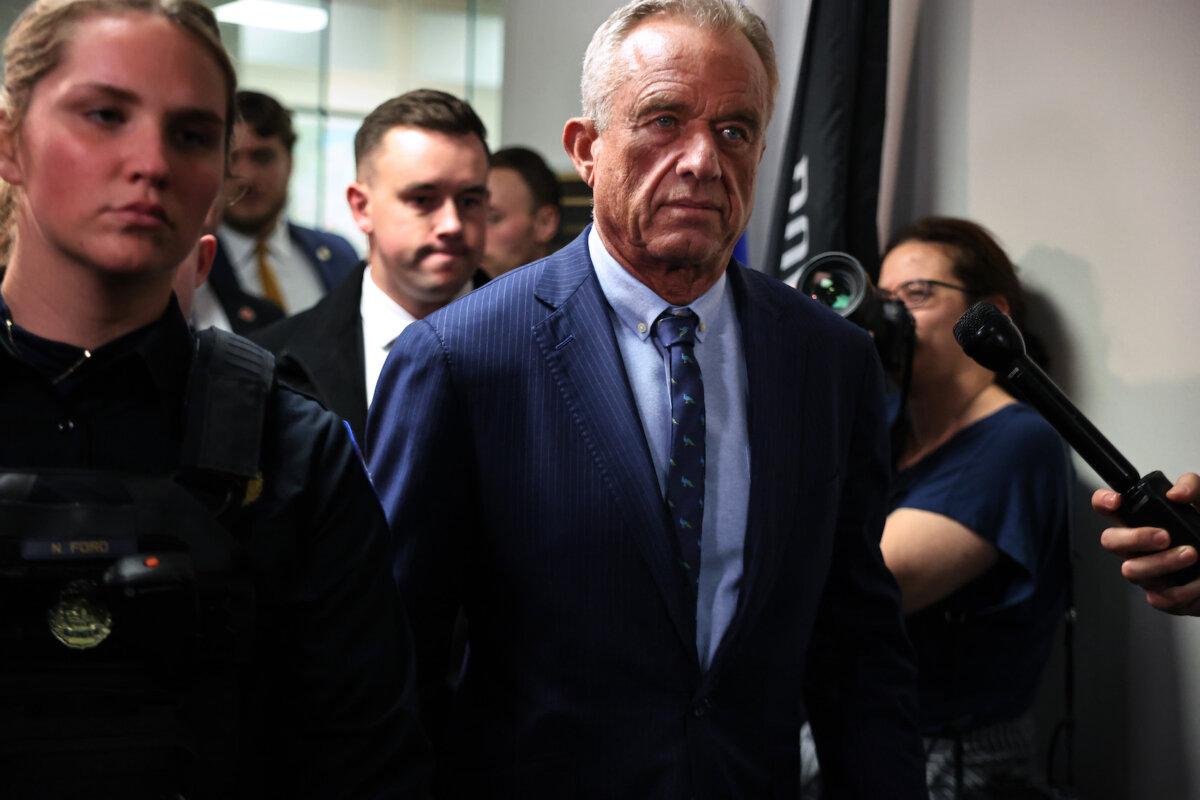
(545, 224)
(582, 141)
(206, 251)
(358, 196)
(10, 167)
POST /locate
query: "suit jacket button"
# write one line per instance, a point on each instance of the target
(701, 708)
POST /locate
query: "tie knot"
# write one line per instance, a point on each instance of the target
(676, 326)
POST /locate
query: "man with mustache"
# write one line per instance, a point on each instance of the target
(421, 198)
(651, 479)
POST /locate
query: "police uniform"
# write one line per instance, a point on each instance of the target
(326, 706)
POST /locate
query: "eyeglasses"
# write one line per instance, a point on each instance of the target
(916, 293)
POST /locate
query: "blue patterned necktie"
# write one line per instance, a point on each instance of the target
(676, 331)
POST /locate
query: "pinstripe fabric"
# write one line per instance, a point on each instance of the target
(506, 448)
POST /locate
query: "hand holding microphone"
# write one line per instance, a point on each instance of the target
(1150, 556)
(987, 335)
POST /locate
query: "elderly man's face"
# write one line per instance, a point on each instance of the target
(673, 173)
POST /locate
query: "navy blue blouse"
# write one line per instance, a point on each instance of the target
(981, 650)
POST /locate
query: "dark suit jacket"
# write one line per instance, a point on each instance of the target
(507, 449)
(320, 352)
(331, 256)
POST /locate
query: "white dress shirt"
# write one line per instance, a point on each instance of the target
(383, 319)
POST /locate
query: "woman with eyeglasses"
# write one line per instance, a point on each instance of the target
(977, 535)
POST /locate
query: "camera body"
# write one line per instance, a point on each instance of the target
(839, 281)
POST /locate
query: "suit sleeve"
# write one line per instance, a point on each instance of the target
(337, 673)
(420, 459)
(860, 681)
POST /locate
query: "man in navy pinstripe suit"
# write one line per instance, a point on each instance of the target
(653, 480)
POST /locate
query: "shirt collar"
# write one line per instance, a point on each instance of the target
(156, 346)
(241, 247)
(383, 318)
(636, 304)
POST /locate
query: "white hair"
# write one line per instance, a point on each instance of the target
(600, 80)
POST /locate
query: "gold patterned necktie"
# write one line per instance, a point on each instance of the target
(266, 276)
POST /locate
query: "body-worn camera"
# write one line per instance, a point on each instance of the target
(837, 280)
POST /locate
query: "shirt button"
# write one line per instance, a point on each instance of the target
(642, 327)
(66, 426)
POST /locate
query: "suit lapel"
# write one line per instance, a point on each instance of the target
(334, 352)
(774, 412)
(579, 346)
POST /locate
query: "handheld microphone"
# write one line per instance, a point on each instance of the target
(989, 336)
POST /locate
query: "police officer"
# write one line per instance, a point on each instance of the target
(195, 597)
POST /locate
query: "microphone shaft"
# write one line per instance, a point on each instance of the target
(1072, 425)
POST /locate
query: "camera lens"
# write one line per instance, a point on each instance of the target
(835, 280)
(830, 289)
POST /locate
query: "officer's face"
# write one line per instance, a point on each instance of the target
(422, 201)
(261, 168)
(121, 150)
(673, 172)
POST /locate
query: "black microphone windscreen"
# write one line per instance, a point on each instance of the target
(969, 323)
(989, 336)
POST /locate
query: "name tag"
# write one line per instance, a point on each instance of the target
(76, 548)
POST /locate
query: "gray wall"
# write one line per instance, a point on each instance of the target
(543, 53)
(9, 9)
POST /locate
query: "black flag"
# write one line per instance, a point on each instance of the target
(829, 193)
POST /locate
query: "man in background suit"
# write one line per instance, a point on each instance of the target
(524, 211)
(261, 256)
(421, 198)
(652, 566)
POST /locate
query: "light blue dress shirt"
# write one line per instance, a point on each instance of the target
(633, 307)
